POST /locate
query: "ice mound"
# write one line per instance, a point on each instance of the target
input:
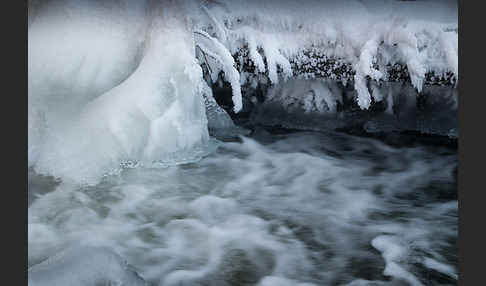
(84, 266)
(119, 88)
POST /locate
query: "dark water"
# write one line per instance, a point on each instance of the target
(300, 208)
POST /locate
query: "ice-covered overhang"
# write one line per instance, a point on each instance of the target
(348, 41)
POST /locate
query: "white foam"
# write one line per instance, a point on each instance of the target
(281, 212)
(440, 267)
(393, 252)
(84, 266)
(280, 281)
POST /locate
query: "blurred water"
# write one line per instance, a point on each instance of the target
(274, 209)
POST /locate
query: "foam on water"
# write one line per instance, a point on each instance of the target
(84, 266)
(296, 209)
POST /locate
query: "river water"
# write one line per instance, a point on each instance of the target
(294, 208)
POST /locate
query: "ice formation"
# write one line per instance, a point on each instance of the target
(366, 35)
(109, 92)
(220, 124)
(323, 104)
(121, 81)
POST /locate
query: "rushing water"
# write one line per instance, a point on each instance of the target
(272, 209)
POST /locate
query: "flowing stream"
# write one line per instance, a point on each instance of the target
(293, 208)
